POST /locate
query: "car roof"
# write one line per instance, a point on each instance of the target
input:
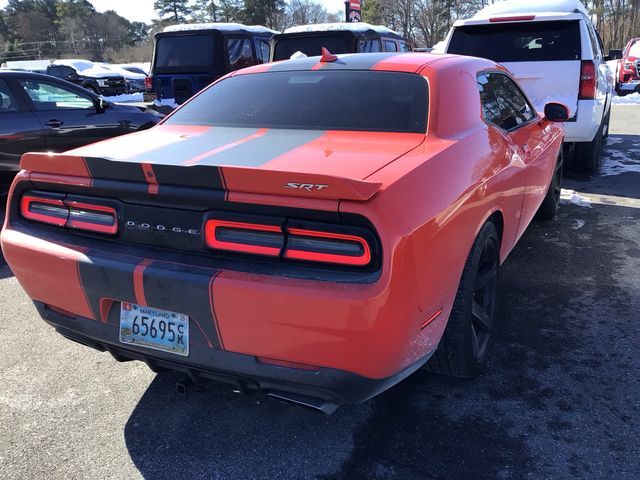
(540, 10)
(221, 27)
(409, 62)
(357, 27)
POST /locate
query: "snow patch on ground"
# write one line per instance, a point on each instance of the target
(572, 197)
(126, 98)
(615, 161)
(631, 99)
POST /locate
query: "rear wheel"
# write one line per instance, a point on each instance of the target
(549, 206)
(464, 348)
(589, 154)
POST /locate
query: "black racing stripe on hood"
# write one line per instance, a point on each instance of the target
(259, 151)
(174, 287)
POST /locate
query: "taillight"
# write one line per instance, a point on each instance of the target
(317, 246)
(289, 243)
(588, 80)
(148, 82)
(244, 237)
(44, 210)
(57, 210)
(94, 218)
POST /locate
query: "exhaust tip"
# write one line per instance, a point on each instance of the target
(311, 403)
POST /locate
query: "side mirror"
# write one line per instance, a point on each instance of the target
(101, 105)
(615, 54)
(556, 112)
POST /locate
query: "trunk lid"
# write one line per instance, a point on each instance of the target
(308, 163)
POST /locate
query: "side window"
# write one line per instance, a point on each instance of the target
(370, 45)
(8, 102)
(390, 46)
(46, 96)
(405, 47)
(239, 52)
(503, 104)
(68, 72)
(262, 49)
(594, 41)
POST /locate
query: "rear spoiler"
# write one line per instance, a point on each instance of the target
(228, 178)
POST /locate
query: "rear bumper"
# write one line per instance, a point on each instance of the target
(321, 388)
(629, 87)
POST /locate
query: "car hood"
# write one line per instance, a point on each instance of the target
(322, 164)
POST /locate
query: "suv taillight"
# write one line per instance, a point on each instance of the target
(148, 82)
(311, 245)
(588, 80)
(56, 210)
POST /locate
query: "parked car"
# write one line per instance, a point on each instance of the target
(88, 75)
(261, 236)
(555, 53)
(187, 58)
(134, 82)
(356, 37)
(140, 67)
(39, 113)
(628, 71)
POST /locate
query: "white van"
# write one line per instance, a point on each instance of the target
(555, 53)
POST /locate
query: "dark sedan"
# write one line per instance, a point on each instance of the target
(42, 113)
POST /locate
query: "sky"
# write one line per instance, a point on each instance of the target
(142, 10)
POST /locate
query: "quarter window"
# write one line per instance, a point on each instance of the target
(262, 50)
(46, 96)
(239, 53)
(390, 46)
(503, 104)
(370, 45)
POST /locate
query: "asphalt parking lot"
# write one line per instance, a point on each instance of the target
(561, 398)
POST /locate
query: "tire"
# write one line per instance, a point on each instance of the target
(549, 206)
(464, 348)
(588, 155)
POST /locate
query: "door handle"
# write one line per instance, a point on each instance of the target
(54, 123)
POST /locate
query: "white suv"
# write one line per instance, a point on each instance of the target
(555, 53)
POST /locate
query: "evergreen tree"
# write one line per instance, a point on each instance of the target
(178, 10)
(205, 11)
(263, 12)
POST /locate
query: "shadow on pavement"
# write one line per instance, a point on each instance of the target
(555, 403)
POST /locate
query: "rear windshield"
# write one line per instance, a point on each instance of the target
(311, 46)
(184, 53)
(313, 100)
(519, 42)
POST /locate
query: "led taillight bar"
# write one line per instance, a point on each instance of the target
(70, 214)
(515, 18)
(94, 218)
(327, 247)
(244, 237)
(44, 210)
(288, 243)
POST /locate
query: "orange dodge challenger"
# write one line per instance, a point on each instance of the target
(317, 229)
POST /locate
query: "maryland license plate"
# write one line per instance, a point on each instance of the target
(154, 328)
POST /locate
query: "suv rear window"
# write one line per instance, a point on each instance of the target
(313, 100)
(519, 42)
(184, 53)
(311, 46)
